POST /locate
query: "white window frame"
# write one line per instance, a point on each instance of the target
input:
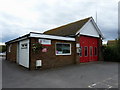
(9, 48)
(63, 43)
(81, 51)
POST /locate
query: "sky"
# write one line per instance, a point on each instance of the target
(19, 17)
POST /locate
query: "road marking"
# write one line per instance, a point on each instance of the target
(89, 86)
(104, 82)
(93, 84)
(110, 86)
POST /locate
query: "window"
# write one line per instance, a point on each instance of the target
(9, 48)
(63, 49)
(95, 53)
(90, 50)
(80, 51)
(24, 46)
(86, 51)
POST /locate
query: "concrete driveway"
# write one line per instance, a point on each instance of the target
(89, 75)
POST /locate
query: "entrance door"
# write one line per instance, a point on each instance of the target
(89, 50)
(23, 58)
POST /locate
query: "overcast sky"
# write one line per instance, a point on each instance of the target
(19, 17)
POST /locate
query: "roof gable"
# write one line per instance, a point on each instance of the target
(69, 29)
(89, 30)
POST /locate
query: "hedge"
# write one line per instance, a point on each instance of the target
(112, 53)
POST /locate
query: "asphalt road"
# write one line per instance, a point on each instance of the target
(0, 72)
(89, 75)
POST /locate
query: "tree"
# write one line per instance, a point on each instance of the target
(112, 53)
(2, 48)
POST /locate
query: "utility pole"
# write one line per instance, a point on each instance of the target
(96, 17)
(119, 20)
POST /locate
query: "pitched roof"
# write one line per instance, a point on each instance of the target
(111, 42)
(68, 29)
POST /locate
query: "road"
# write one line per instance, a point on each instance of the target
(0, 72)
(88, 75)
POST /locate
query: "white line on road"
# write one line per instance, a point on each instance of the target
(109, 86)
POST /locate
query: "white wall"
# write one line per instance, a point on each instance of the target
(89, 30)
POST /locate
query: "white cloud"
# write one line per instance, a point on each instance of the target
(2, 43)
(18, 17)
(104, 42)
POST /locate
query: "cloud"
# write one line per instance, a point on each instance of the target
(19, 17)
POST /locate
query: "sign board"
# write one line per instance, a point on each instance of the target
(77, 45)
(44, 41)
(38, 63)
(44, 50)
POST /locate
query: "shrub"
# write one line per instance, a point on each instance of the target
(112, 53)
(2, 48)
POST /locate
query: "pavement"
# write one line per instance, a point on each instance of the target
(86, 75)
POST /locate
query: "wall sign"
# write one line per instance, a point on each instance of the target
(44, 50)
(44, 41)
(77, 45)
(38, 63)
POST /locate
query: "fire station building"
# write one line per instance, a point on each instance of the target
(74, 43)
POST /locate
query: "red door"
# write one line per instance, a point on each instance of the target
(89, 49)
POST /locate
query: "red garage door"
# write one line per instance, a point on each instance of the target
(89, 49)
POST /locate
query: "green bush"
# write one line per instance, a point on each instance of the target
(112, 53)
(2, 48)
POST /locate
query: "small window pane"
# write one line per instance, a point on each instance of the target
(24, 46)
(95, 51)
(86, 51)
(90, 51)
(80, 51)
(59, 48)
(66, 48)
(62, 48)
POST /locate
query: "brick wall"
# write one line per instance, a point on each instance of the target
(49, 58)
(100, 58)
(12, 55)
(77, 59)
